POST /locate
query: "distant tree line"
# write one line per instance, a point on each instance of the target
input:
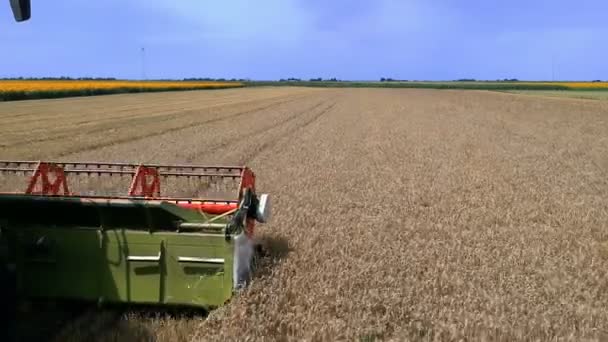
(209, 79)
(324, 80)
(318, 79)
(474, 80)
(388, 79)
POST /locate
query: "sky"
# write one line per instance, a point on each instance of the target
(273, 39)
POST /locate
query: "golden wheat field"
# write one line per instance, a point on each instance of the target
(399, 214)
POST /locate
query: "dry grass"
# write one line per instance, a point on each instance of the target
(399, 214)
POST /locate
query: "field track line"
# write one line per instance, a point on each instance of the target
(102, 144)
(144, 110)
(132, 103)
(167, 117)
(287, 133)
(254, 133)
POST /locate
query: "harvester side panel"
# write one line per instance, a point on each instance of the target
(133, 270)
(201, 268)
(57, 262)
(131, 259)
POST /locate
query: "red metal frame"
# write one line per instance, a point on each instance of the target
(48, 186)
(247, 181)
(145, 184)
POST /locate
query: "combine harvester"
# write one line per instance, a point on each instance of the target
(188, 242)
(69, 240)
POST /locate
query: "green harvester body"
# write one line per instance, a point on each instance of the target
(123, 260)
(141, 250)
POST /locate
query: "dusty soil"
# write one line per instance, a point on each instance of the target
(398, 213)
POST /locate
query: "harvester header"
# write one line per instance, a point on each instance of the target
(137, 233)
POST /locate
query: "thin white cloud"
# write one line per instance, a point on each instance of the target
(236, 20)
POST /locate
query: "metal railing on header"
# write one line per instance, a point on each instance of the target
(51, 179)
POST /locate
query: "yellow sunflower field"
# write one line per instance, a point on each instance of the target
(25, 89)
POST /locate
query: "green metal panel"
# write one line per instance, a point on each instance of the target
(137, 280)
(57, 262)
(201, 270)
(166, 267)
(114, 251)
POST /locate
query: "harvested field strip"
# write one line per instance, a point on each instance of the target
(154, 134)
(101, 126)
(129, 127)
(105, 112)
(101, 110)
(29, 120)
(249, 137)
(405, 214)
(222, 136)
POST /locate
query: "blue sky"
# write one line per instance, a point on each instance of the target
(271, 39)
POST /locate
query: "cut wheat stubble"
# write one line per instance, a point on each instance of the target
(406, 214)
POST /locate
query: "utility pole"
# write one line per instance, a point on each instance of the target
(553, 67)
(143, 63)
